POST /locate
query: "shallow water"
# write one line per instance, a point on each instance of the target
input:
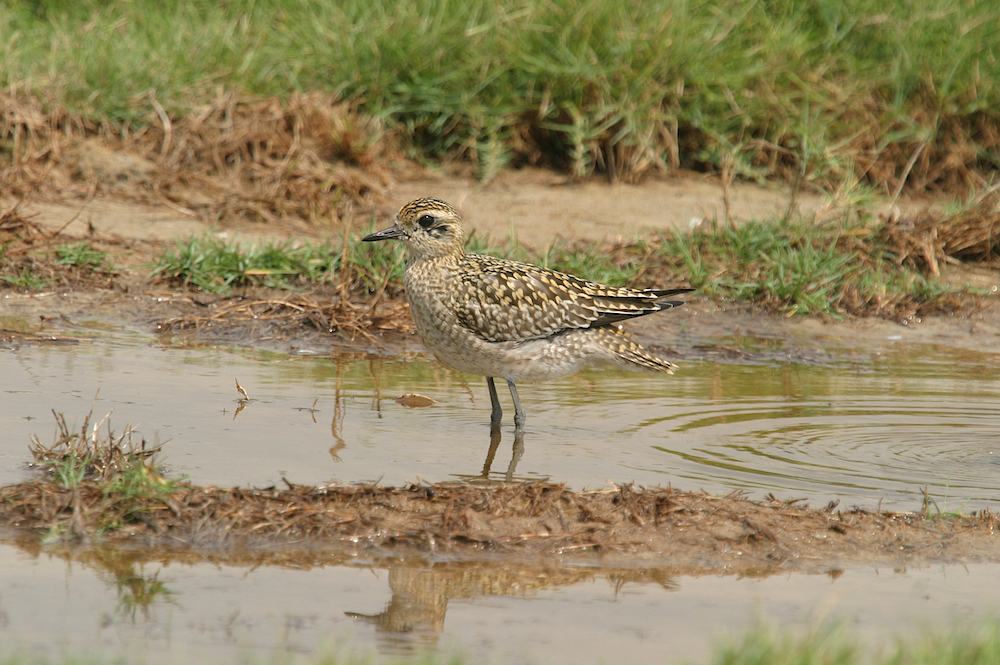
(204, 612)
(863, 429)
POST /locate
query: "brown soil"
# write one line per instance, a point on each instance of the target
(626, 526)
(534, 206)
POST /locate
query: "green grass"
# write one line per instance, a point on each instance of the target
(788, 268)
(797, 268)
(978, 644)
(125, 470)
(25, 279)
(593, 262)
(217, 266)
(940, 510)
(214, 265)
(82, 255)
(44, 268)
(776, 87)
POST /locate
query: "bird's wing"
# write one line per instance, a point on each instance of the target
(502, 300)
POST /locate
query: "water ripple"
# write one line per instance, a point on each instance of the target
(878, 445)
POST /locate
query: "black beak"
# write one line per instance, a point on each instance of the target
(385, 234)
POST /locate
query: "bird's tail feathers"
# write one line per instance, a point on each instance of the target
(630, 354)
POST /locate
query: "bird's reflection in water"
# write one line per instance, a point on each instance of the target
(414, 617)
(337, 421)
(518, 452)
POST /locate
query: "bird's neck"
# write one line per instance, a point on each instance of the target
(442, 259)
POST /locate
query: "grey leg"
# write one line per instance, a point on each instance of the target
(518, 454)
(519, 416)
(497, 412)
(494, 444)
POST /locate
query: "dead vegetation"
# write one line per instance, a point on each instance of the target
(97, 486)
(32, 258)
(926, 241)
(949, 157)
(952, 158)
(316, 159)
(322, 309)
(311, 158)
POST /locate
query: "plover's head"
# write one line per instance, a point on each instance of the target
(429, 228)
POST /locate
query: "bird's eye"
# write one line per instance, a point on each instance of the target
(427, 221)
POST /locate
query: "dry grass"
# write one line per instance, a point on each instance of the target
(325, 310)
(309, 158)
(956, 153)
(927, 240)
(18, 228)
(314, 159)
(32, 258)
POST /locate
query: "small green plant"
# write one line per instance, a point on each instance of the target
(118, 468)
(26, 280)
(69, 470)
(939, 511)
(81, 255)
(123, 466)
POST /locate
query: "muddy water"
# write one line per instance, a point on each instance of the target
(863, 430)
(202, 612)
(840, 426)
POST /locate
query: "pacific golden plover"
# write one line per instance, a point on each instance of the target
(494, 317)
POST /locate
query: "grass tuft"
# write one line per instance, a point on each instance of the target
(24, 279)
(799, 268)
(125, 470)
(82, 255)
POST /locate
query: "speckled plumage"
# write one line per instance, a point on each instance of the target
(494, 317)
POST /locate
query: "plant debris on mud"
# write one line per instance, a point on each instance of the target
(32, 258)
(104, 488)
(927, 240)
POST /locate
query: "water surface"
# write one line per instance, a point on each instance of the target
(204, 612)
(862, 430)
